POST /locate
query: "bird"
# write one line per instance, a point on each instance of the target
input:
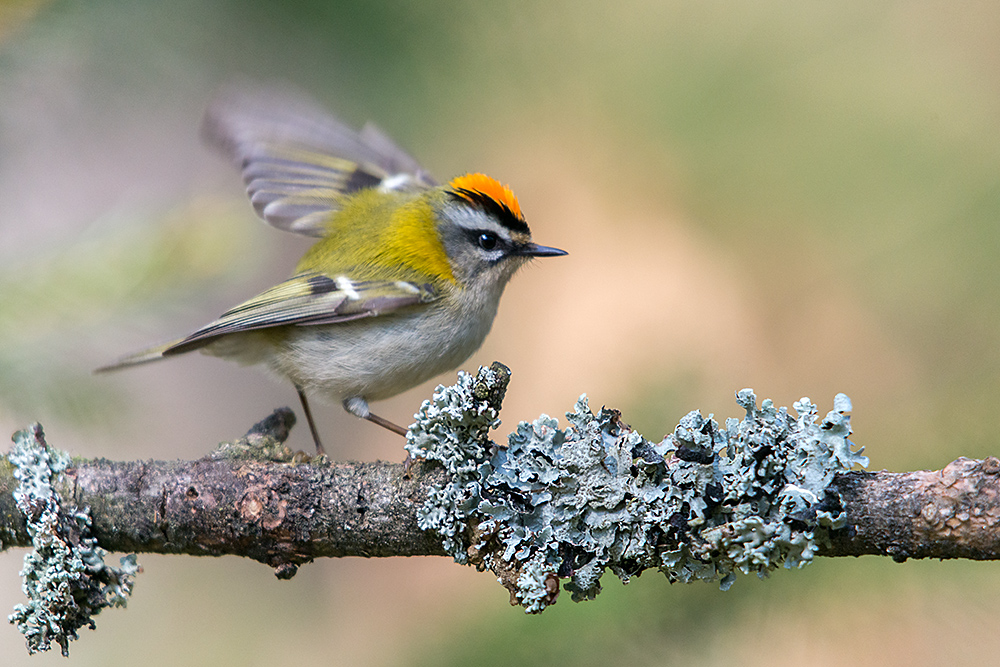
(406, 276)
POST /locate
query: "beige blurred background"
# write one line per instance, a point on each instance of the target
(802, 198)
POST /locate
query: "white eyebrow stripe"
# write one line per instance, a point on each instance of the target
(475, 220)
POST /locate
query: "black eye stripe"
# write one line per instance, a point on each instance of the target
(490, 206)
(488, 240)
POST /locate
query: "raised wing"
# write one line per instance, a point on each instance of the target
(298, 160)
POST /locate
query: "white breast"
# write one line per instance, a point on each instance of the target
(379, 357)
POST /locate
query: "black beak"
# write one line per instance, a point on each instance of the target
(535, 250)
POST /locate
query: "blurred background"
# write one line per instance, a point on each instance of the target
(798, 198)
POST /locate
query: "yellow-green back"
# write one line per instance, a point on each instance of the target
(381, 236)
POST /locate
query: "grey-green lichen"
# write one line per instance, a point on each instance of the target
(702, 504)
(65, 578)
(453, 428)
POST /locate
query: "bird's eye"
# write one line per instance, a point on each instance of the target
(488, 241)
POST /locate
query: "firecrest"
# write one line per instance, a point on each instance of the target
(404, 281)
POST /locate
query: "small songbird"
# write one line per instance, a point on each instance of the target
(404, 281)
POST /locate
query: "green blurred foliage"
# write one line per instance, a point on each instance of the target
(57, 306)
(787, 619)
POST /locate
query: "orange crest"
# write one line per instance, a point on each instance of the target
(489, 187)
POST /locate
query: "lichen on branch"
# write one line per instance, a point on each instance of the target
(571, 503)
(65, 577)
(554, 506)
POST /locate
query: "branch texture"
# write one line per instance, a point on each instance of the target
(284, 514)
(949, 513)
(554, 507)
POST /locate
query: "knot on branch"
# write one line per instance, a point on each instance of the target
(265, 441)
(65, 577)
(959, 504)
(701, 505)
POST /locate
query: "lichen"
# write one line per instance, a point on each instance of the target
(703, 504)
(65, 578)
(452, 428)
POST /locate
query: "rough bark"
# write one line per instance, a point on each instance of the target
(948, 513)
(286, 514)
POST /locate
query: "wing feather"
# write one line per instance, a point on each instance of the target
(298, 161)
(309, 299)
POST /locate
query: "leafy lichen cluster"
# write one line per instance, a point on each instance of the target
(767, 502)
(65, 578)
(453, 428)
(702, 504)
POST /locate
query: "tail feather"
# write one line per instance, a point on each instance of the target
(138, 358)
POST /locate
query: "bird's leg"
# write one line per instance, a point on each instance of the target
(385, 423)
(358, 407)
(309, 418)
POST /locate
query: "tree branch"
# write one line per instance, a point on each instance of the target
(282, 514)
(552, 506)
(948, 513)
